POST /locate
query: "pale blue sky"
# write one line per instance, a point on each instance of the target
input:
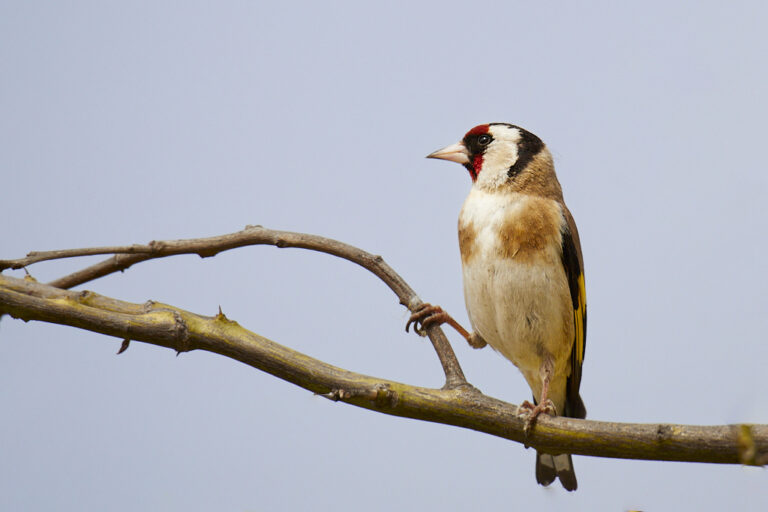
(127, 123)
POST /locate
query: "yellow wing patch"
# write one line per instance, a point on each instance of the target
(579, 320)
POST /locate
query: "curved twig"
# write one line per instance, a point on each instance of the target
(167, 326)
(251, 235)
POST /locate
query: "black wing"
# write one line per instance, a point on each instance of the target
(574, 271)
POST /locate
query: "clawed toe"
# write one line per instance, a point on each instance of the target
(530, 412)
(425, 316)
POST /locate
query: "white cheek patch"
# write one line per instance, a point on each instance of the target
(500, 155)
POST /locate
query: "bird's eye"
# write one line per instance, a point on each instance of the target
(484, 140)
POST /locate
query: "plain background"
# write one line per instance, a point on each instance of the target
(126, 122)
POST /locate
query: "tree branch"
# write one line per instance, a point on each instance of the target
(251, 235)
(171, 327)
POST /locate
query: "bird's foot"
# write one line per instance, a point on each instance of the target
(425, 316)
(428, 315)
(529, 412)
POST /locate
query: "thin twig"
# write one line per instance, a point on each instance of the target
(38, 256)
(167, 326)
(117, 263)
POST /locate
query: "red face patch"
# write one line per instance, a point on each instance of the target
(477, 165)
(475, 151)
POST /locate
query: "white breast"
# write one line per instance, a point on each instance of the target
(515, 287)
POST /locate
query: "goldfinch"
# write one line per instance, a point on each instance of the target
(523, 273)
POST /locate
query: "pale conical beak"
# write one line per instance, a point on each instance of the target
(455, 153)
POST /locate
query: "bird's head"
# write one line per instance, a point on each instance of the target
(496, 153)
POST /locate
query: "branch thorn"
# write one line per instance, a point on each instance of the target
(124, 346)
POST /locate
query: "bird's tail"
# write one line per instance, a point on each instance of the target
(549, 467)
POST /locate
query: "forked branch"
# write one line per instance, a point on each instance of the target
(125, 256)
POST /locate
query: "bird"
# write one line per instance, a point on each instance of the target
(523, 274)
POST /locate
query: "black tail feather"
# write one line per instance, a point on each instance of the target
(549, 467)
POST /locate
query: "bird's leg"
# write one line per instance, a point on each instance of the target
(428, 315)
(530, 412)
